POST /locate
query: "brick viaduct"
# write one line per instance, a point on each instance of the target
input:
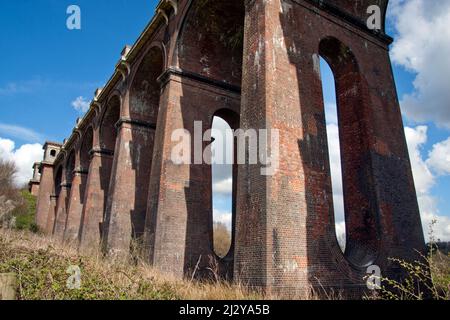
(255, 63)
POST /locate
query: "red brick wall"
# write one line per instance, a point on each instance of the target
(210, 41)
(285, 233)
(179, 218)
(95, 199)
(45, 190)
(285, 229)
(34, 189)
(128, 192)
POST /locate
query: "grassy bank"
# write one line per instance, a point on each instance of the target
(41, 267)
(42, 264)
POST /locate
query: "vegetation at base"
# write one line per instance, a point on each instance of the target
(42, 274)
(17, 206)
(25, 212)
(428, 278)
(222, 239)
(41, 266)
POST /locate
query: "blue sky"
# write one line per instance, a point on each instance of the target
(45, 68)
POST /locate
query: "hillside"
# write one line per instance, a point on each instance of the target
(41, 267)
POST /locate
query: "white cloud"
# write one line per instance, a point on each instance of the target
(331, 112)
(340, 233)
(425, 181)
(24, 158)
(334, 150)
(81, 104)
(222, 183)
(224, 217)
(223, 186)
(439, 158)
(422, 46)
(424, 177)
(21, 87)
(21, 133)
(441, 228)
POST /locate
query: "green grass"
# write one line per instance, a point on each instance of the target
(25, 212)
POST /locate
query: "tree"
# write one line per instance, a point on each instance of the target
(17, 206)
(8, 193)
(7, 172)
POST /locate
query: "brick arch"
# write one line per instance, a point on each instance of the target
(355, 9)
(153, 46)
(144, 88)
(361, 215)
(56, 190)
(104, 136)
(125, 223)
(210, 42)
(75, 202)
(226, 263)
(107, 124)
(59, 164)
(173, 4)
(97, 107)
(87, 143)
(205, 77)
(62, 188)
(70, 166)
(58, 179)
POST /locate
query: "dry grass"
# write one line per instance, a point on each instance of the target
(41, 264)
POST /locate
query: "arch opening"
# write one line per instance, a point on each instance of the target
(51, 220)
(224, 182)
(58, 181)
(209, 52)
(359, 205)
(222, 186)
(334, 150)
(145, 89)
(108, 131)
(86, 148)
(85, 160)
(145, 92)
(70, 167)
(108, 137)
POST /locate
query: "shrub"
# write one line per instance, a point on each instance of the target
(25, 212)
(425, 279)
(42, 268)
(7, 172)
(222, 239)
(9, 196)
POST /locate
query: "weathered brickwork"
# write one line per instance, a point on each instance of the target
(46, 184)
(36, 180)
(256, 64)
